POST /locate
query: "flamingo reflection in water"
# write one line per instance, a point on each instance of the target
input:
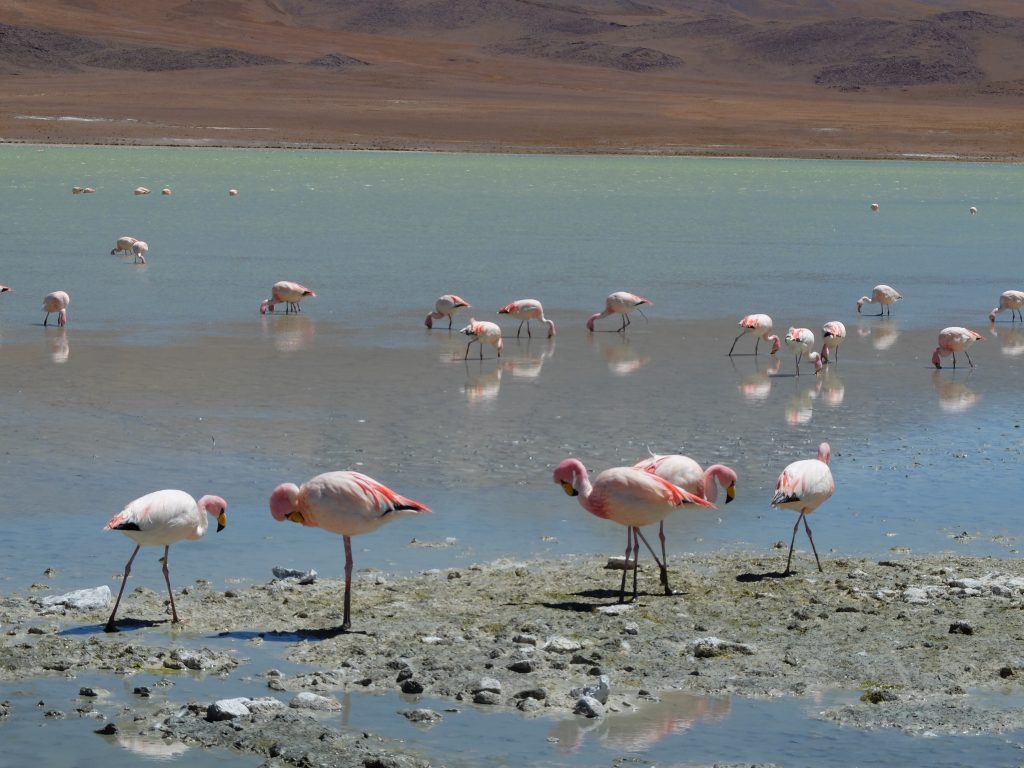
(482, 387)
(526, 363)
(883, 335)
(755, 387)
(1011, 340)
(290, 333)
(622, 357)
(954, 396)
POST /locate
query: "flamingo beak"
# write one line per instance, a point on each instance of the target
(730, 493)
(296, 517)
(222, 522)
(567, 487)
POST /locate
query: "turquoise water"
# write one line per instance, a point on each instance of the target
(167, 375)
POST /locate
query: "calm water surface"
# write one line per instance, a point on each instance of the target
(167, 376)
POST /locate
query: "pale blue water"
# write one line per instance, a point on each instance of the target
(167, 376)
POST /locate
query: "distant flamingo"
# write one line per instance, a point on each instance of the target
(123, 245)
(802, 487)
(884, 296)
(972, 210)
(5, 288)
(163, 518)
(448, 306)
(761, 327)
(832, 335)
(140, 248)
(57, 302)
(232, 193)
(874, 207)
(952, 340)
(165, 191)
(346, 503)
(619, 303)
(142, 191)
(799, 340)
(526, 310)
(1011, 300)
(483, 332)
(286, 292)
(629, 497)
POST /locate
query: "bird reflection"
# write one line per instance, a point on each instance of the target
(59, 347)
(649, 723)
(290, 332)
(755, 387)
(622, 357)
(482, 387)
(954, 396)
(151, 746)
(831, 389)
(1011, 340)
(883, 333)
(524, 362)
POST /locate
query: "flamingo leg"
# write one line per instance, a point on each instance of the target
(792, 542)
(813, 548)
(449, 322)
(347, 621)
(954, 359)
(625, 567)
(969, 358)
(46, 318)
(636, 559)
(467, 350)
(111, 627)
(520, 329)
(528, 334)
(167, 578)
(740, 337)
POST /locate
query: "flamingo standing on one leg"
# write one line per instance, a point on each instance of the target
(952, 340)
(288, 293)
(483, 332)
(804, 486)
(56, 302)
(163, 518)
(832, 335)
(1011, 300)
(347, 503)
(883, 295)
(619, 303)
(799, 340)
(123, 245)
(629, 497)
(140, 248)
(526, 310)
(448, 306)
(761, 327)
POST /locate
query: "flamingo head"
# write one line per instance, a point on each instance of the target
(590, 322)
(62, 318)
(266, 306)
(5, 288)
(992, 315)
(936, 355)
(824, 353)
(507, 309)
(776, 343)
(551, 329)
(816, 358)
(824, 452)
(216, 507)
(308, 292)
(726, 477)
(284, 503)
(861, 301)
(429, 322)
(568, 475)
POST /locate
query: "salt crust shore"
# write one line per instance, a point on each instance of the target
(921, 636)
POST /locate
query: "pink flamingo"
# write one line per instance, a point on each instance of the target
(832, 335)
(162, 518)
(526, 310)
(346, 503)
(802, 487)
(1011, 300)
(883, 295)
(140, 248)
(629, 497)
(288, 293)
(57, 302)
(123, 245)
(799, 340)
(448, 306)
(5, 288)
(761, 327)
(483, 332)
(619, 303)
(952, 340)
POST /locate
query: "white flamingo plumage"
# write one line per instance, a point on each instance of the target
(483, 332)
(883, 295)
(525, 310)
(140, 248)
(58, 302)
(952, 340)
(288, 293)
(448, 306)
(619, 303)
(1011, 300)
(802, 487)
(799, 340)
(123, 245)
(832, 335)
(761, 326)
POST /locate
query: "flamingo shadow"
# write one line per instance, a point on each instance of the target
(325, 633)
(747, 578)
(122, 625)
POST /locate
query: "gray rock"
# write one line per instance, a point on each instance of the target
(81, 599)
(423, 716)
(487, 697)
(558, 644)
(707, 647)
(264, 705)
(486, 684)
(315, 701)
(228, 709)
(302, 577)
(961, 628)
(529, 705)
(599, 691)
(588, 707)
(523, 666)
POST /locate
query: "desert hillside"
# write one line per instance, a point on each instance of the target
(848, 78)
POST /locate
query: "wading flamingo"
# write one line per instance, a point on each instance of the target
(884, 296)
(1011, 300)
(5, 288)
(526, 310)
(799, 340)
(629, 497)
(346, 503)
(123, 245)
(56, 302)
(952, 340)
(165, 191)
(619, 303)
(140, 248)
(483, 332)
(802, 487)
(832, 335)
(448, 306)
(162, 518)
(288, 293)
(142, 191)
(761, 327)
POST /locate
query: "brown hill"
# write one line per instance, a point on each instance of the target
(796, 77)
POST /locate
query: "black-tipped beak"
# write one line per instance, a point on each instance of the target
(222, 522)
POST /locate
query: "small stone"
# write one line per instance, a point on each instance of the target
(1005, 672)
(532, 693)
(961, 628)
(529, 705)
(525, 639)
(107, 730)
(227, 709)
(55, 714)
(87, 692)
(412, 686)
(307, 700)
(80, 599)
(588, 707)
(558, 644)
(486, 697)
(423, 716)
(142, 690)
(522, 667)
(264, 705)
(631, 628)
(404, 675)
(486, 684)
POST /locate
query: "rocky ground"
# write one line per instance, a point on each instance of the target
(922, 637)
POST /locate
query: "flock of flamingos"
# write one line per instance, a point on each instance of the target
(351, 503)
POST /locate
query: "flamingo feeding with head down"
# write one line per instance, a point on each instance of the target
(952, 340)
(1011, 300)
(347, 503)
(140, 248)
(629, 497)
(162, 518)
(802, 487)
(832, 335)
(56, 302)
(288, 293)
(799, 340)
(619, 303)
(761, 327)
(883, 295)
(448, 306)
(123, 245)
(526, 310)
(483, 332)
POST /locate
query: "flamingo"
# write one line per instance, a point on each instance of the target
(874, 207)
(140, 248)
(526, 310)
(232, 193)
(629, 497)
(832, 335)
(761, 327)
(884, 296)
(163, 518)
(165, 191)
(123, 245)
(804, 486)
(972, 210)
(286, 292)
(448, 306)
(5, 288)
(952, 340)
(347, 503)
(1011, 300)
(142, 190)
(799, 340)
(483, 332)
(619, 303)
(57, 302)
